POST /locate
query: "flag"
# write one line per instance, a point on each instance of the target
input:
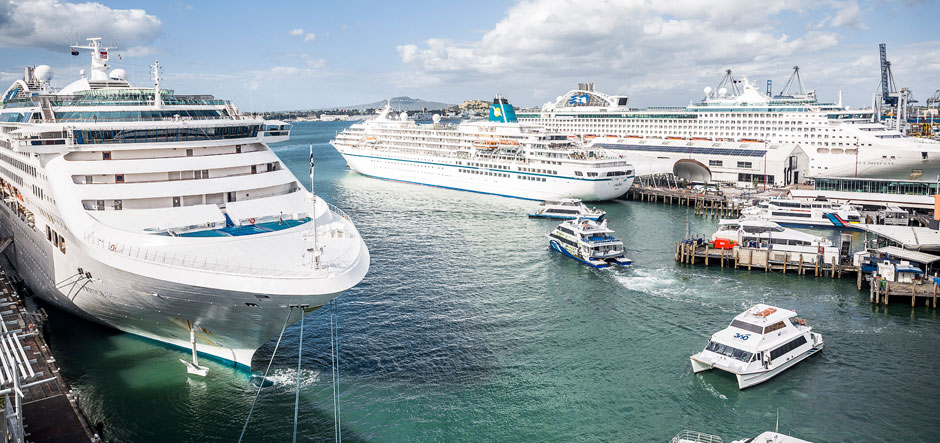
(74, 51)
(311, 159)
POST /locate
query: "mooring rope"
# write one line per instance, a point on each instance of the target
(339, 427)
(261, 385)
(300, 353)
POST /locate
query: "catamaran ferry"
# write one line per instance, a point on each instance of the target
(835, 140)
(164, 215)
(499, 156)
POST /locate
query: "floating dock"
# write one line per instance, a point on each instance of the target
(48, 410)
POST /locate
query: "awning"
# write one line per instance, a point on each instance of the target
(912, 237)
(914, 256)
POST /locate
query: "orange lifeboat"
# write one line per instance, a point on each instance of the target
(674, 138)
(766, 312)
(589, 136)
(751, 140)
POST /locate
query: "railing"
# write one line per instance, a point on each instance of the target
(695, 437)
(303, 268)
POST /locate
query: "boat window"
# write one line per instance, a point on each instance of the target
(746, 326)
(774, 327)
(786, 348)
(729, 351)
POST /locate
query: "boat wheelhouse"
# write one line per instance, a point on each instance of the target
(499, 156)
(589, 242)
(759, 344)
(567, 208)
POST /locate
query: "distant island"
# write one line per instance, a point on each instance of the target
(415, 107)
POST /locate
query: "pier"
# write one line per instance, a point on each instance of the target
(46, 410)
(761, 259)
(706, 205)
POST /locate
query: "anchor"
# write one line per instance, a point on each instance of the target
(193, 367)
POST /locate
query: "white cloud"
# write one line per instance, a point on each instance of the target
(633, 46)
(52, 24)
(310, 37)
(296, 31)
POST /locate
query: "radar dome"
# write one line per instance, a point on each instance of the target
(708, 90)
(723, 91)
(403, 116)
(43, 73)
(118, 74)
(436, 118)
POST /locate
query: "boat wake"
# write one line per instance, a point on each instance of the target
(287, 378)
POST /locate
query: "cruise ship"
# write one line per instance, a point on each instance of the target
(497, 156)
(164, 215)
(735, 124)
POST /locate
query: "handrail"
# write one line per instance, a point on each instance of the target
(687, 436)
(235, 267)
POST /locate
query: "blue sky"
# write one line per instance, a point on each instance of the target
(297, 55)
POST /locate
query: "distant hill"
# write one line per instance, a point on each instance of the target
(403, 103)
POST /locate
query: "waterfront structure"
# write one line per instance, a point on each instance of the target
(837, 141)
(757, 233)
(164, 215)
(759, 344)
(588, 242)
(498, 156)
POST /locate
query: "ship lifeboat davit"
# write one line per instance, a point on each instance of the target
(691, 170)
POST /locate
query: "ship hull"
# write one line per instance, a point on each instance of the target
(442, 173)
(229, 325)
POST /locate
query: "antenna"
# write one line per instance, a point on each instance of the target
(157, 97)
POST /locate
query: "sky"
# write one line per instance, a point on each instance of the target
(276, 55)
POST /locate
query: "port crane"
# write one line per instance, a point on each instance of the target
(891, 101)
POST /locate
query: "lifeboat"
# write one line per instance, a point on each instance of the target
(485, 144)
(633, 136)
(751, 140)
(508, 142)
(674, 138)
(701, 138)
(370, 139)
(590, 136)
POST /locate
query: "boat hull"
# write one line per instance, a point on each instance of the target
(746, 380)
(229, 325)
(443, 173)
(568, 217)
(599, 264)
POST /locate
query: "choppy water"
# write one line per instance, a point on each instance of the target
(469, 328)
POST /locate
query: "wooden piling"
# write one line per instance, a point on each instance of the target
(706, 254)
(799, 270)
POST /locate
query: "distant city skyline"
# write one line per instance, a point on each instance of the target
(309, 55)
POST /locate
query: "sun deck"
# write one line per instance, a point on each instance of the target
(237, 231)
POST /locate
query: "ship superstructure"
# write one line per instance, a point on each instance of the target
(498, 156)
(162, 214)
(837, 140)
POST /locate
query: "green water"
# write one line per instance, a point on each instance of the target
(468, 327)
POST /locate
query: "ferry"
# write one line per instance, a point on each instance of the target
(588, 242)
(763, 234)
(810, 137)
(819, 213)
(498, 156)
(764, 437)
(164, 215)
(759, 344)
(567, 208)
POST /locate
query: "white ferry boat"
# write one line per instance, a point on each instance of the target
(759, 344)
(499, 156)
(568, 209)
(816, 213)
(835, 140)
(763, 234)
(764, 437)
(588, 242)
(164, 215)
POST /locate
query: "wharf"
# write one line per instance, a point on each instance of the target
(768, 260)
(704, 204)
(914, 291)
(50, 411)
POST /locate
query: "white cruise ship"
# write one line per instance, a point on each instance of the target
(499, 156)
(160, 214)
(836, 141)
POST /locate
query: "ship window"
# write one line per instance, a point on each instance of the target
(189, 152)
(118, 205)
(62, 244)
(238, 149)
(774, 327)
(198, 174)
(48, 233)
(254, 169)
(119, 178)
(786, 348)
(99, 205)
(729, 351)
(174, 175)
(176, 202)
(106, 155)
(89, 179)
(714, 163)
(578, 173)
(746, 326)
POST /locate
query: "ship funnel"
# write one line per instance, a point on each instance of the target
(501, 111)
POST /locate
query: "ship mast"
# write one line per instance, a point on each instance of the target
(311, 235)
(99, 58)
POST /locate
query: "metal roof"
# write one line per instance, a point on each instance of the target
(914, 256)
(912, 237)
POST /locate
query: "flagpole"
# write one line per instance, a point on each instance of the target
(315, 261)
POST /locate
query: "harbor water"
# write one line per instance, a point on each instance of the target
(469, 328)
